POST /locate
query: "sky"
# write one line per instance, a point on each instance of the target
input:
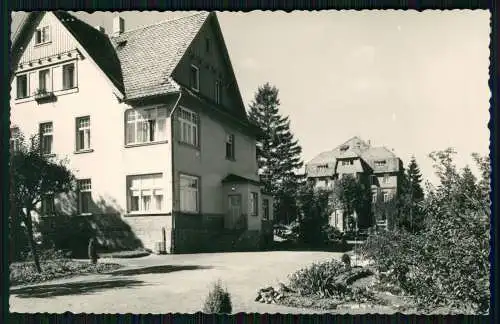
(415, 82)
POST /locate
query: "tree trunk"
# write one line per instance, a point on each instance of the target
(29, 231)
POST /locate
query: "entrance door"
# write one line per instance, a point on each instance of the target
(234, 210)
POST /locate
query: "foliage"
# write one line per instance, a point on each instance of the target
(314, 211)
(411, 195)
(446, 263)
(278, 153)
(34, 176)
(346, 259)
(26, 273)
(218, 300)
(319, 279)
(352, 196)
(385, 210)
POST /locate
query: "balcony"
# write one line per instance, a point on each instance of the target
(42, 95)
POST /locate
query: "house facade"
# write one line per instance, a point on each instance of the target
(152, 124)
(375, 167)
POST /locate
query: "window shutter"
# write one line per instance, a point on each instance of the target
(57, 77)
(32, 83)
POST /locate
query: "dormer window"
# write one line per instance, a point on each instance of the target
(194, 80)
(347, 162)
(42, 35)
(380, 163)
(322, 166)
(344, 148)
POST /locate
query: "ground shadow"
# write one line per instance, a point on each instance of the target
(293, 246)
(157, 269)
(72, 288)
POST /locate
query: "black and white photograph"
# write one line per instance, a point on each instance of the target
(302, 162)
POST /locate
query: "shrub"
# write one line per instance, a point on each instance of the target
(218, 300)
(319, 279)
(346, 259)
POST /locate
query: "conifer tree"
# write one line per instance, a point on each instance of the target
(278, 153)
(410, 196)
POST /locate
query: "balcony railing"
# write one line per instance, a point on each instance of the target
(44, 95)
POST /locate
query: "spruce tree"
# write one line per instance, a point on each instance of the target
(278, 153)
(410, 196)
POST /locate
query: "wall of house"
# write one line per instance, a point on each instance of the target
(212, 66)
(109, 162)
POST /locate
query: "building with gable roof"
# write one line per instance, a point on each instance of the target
(152, 123)
(376, 167)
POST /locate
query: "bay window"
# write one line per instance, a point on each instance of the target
(146, 125)
(145, 193)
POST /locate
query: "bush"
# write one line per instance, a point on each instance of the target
(346, 259)
(319, 279)
(218, 300)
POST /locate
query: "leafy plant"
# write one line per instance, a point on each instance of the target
(346, 259)
(218, 300)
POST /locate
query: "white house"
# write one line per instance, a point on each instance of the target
(152, 123)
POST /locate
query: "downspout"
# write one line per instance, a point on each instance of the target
(172, 134)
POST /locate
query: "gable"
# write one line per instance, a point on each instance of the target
(66, 34)
(209, 54)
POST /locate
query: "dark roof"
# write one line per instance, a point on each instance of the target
(97, 44)
(233, 178)
(149, 55)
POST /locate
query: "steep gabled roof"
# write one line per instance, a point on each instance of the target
(354, 147)
(380, 152)
(97, 44)
(149, 55)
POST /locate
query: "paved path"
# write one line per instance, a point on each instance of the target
(167, 284)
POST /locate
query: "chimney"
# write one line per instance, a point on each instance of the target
(118, 25)
(101, 29)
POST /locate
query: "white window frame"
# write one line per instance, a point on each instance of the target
(188, 126)
(45, 132)
(266, 209)
(380, 163)
(387, 197)
(141, 190)
(48, 81)
(15, 140)
(147, 118)
(196, 81)
(186, 191)
(254, 203)
(218, 91)
(44, 36)
(230, 145)
(26, 75)
(73, 78)
(84, 186)
(83, 129)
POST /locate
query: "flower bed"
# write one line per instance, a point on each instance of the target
(25, 272)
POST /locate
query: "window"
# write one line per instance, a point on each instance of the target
(188, 121)
(230, 146)
(218, 91)
(84, 195)
(42, 35)
(83, 133)
(322, 166)
(254, 204)
(387, 196)
(22, 86)
(347, 162)
(373, 180)
(44, 82)
(189, 193)
(46, 138)
(374, 197)
(194, 79)
(386, 178)
(146, 125)
(68, 76)
(380, 163)
(14, 139)
(145, 193)
(48, 207)
(207, 45)
(265, 205)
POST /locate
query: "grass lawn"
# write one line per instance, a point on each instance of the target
(25, 272)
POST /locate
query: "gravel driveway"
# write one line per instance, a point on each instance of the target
(168, 284)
